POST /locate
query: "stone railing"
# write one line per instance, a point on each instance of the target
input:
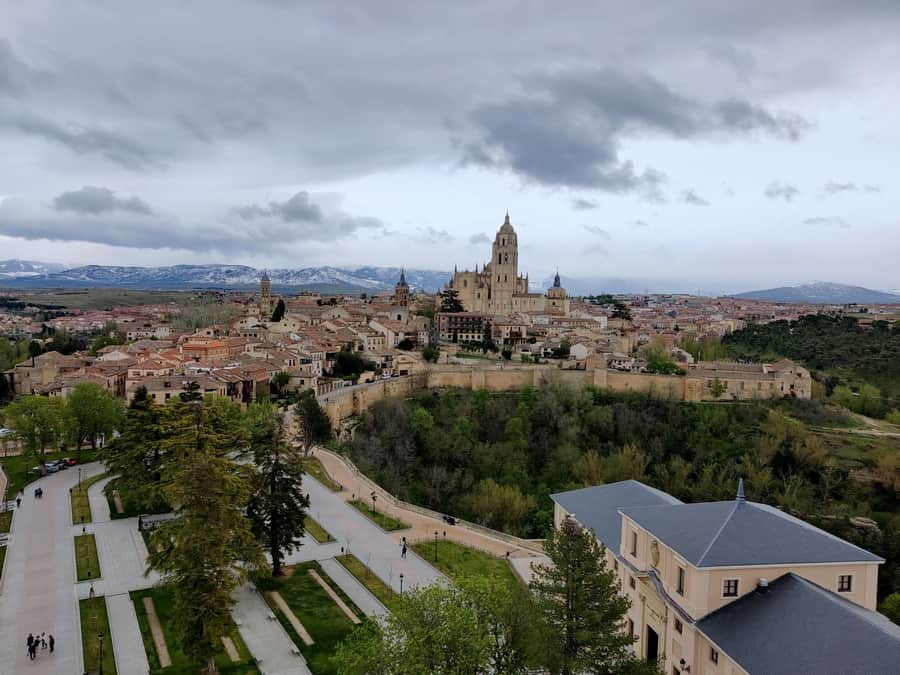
(534, 545)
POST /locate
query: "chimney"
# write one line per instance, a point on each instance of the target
(763, 585)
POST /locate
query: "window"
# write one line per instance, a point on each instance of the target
(680, 587)
(730, 588)
(616, 565)
(631, 582)
(630, 627)
(679, 627)
(713, 655)
(845, 583)
(634, 543)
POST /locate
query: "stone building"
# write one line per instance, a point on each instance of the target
(401, 291)
(265, 297)
(498, 288)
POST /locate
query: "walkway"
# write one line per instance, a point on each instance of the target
(38, 592)
(276, 654)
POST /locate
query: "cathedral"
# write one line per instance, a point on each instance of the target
(499, 289)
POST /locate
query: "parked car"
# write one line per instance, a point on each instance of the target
(70, 461)
(52, 467)
(38, 470)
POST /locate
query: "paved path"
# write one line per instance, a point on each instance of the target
(97, 500)
(131, 659)
(266, 639)
(38, 582)
(359, 594)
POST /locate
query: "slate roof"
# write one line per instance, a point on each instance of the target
(714, 534)
(799, 627)
(597, 507)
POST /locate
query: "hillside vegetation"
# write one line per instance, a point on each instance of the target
(495, 458)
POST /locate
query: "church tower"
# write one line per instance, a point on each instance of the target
(401, 291)
(265, 297)
(504, 269)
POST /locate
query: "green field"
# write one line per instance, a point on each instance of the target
(326, 624)
(94, 622)
(316, 531)
(384, 521)
(87, 564)
(132, 507)
(164, 603)
(5, 521)
(367, 578)
(101, 298)
(314, 468)
(81, 507)
(456, 560)
(2, 558)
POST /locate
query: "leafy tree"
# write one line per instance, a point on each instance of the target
(280, 380)
(278, 313)
(92, 411)
(658, 359)
(35, 349)
(350, 364)
(501, 507)
(406, 344)
(314, 426)
(581, 608)
(717, 388)
(278, 506)
(621, 311)
(105, 341)
(39, 422)
(890, 607)
(209, 548)
(450, 301)
(432, 629)
(431, 354)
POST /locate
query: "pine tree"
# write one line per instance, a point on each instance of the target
(450, 301)
(314, 424)
(582, 610)
(278, 506)
(278, 314)
(209, 548)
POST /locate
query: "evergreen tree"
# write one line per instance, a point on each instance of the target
(450, 301)
(209, 548)
(278, 506)
(581, 608)
(313, 423)
(278, 314)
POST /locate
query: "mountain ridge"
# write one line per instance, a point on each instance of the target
(821, 293)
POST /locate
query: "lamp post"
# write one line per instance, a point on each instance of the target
(435, 545)
(100, 640)
(374, 497)
(79, 477)
(401, 583)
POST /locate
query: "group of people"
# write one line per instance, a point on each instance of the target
(42, 641)
(38, 493)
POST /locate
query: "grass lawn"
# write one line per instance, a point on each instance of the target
(164, 603)
(385, 522)
(322, 618)
(2, 558)
(456, 560)
(94, 622)
(18, 468)
(87, 565)
(5, 521)
(314, 468)
(367, 578)
(81, 507)
(132, 507)
(316, 531)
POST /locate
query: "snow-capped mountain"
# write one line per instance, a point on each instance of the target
(330, 279)
(823, 293)
(13, 269)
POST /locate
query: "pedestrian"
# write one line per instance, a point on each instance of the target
(91, 592)
(403, 551)
(52, 642)
(18, 502)
(32, 650)
(29, 642)
(43, 641)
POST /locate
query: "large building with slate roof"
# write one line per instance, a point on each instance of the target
(737, 587)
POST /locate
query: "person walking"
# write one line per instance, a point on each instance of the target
(29, 642)
(91, 592)
(18, 502)
(32, 650)
(403, 551)
(52, 642)
(43, 641)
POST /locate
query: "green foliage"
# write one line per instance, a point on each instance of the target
(581, 610)
(350, 365)
(92, 411)
(621, 311)
(406, 344)
(705, 349)
(105, 341)
(890, 607)
(314, 426)
(39, 423)
(836, 345)
(278, 313)
(501, 507)
(278, 506)
(659, 360)
(449, 301)
(893, 417)
(431, 354)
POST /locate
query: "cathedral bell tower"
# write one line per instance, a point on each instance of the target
(504, 270)
(265, 297)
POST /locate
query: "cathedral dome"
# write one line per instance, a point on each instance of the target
(507, 227)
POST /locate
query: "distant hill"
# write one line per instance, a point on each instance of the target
(823, 293)
(325, 279)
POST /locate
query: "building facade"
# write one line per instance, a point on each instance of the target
(498, 288)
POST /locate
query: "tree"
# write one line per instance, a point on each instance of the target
(406, 344)
(278, 506)
(450, 301)
(658, 359)
(500, 507)
(280, 380)
(313, 423)
(890, 607)
(92, 412)
(39, 422)
(209, 548)
(621, 311)
(278, 313)
(581, 608)
(431, 354)
(136, 454)
(432, 629)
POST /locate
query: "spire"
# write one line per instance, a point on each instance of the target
(556, 282)
(506, 220)
(402, 281)
(740, 493)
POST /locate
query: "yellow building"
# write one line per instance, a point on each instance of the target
(736, 587)
(499, 289)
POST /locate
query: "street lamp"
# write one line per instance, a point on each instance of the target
(79, 477)
(374, 497)
(100, 640)
(401, 583)
(435, 545)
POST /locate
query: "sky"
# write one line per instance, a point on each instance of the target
(693, 145)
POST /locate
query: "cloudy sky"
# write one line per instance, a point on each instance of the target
(709, 145)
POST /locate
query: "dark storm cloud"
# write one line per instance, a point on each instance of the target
(92, 199)
(692, 198)
(834, 188)
(568, 130)
(781, 190)
(296, 209)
